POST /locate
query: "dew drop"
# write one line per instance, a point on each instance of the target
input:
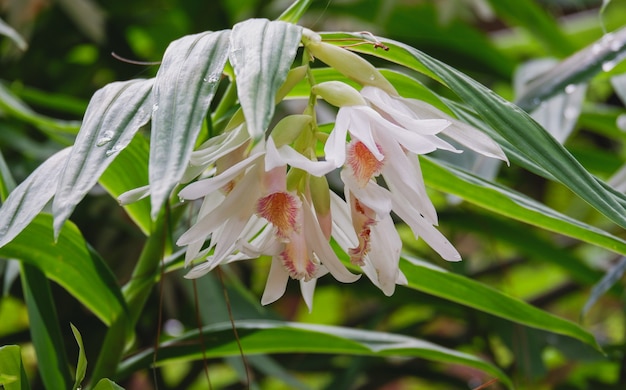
(608, 65)
(570, 113)
(621, 122)
(155, 107)
(113, 150)
(372, 78)
(214, 78)
(106, 137)
(570, 88)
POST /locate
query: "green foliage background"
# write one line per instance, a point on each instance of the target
(524, 237)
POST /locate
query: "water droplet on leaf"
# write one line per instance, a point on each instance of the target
(106, 137)
(570, 88)
(114, 150)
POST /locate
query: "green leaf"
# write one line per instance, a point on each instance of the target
(44, 328)
(7, 183)
(261, 66)
(295, 11)
(529, 15)
(270, 337)
(70, 263)
(129, 171)
(13, 106)
(81, 366)
(423, 276)
(515, 126)
(184, 88)
(12, 374)
(511, 204)
(107, 384)
(30, 197)
(113, 116)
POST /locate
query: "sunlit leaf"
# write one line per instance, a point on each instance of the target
(107, 384)
(295, 11)
(272, 337)
(184, 88)
(261, 67)
(433, 280)
(31, 196)
(114, 115)
(44, 327)
(12, 374)
(70, 263)
(81, 366)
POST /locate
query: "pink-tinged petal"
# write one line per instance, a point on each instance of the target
(296, 258)
(372, 195)
(276, 282)
(228, 236)
(317, 242)
(335, 147)
(362, 162)
(307, 288)
(203, 187)
(425, 230)
(281, 210)
(363, 221)
(385, 254)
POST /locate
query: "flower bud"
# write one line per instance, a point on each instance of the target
(348, 63)
(320, 196)
(289, 128)
(338, 94)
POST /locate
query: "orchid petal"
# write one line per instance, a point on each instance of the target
(276, 282)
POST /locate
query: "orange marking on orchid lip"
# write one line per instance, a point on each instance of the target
(363, 163)
(281, 210)
(296, 260)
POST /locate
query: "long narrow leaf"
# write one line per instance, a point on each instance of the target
(81, 365)
(261, 67)
(44, 328)
(295, 11)
(114, 115)
(260, 337)
(70, 263)
(514, 205)
(185, 85)
(512, 124)
(425, 277)
(30, 197)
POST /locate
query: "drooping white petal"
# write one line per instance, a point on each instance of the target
(372, 195)
(335, 147)
(403, 175)
(209, 203)
(307, 288)
(203, 187)
(199, 270)
(459, 131)
(425, 230)
(133, 195)
(343, 232)
(317, 242)
(276, 282)
(361, 119)
(385, 255)
(287, 155)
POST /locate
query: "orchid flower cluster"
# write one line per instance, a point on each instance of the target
(271, 198)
